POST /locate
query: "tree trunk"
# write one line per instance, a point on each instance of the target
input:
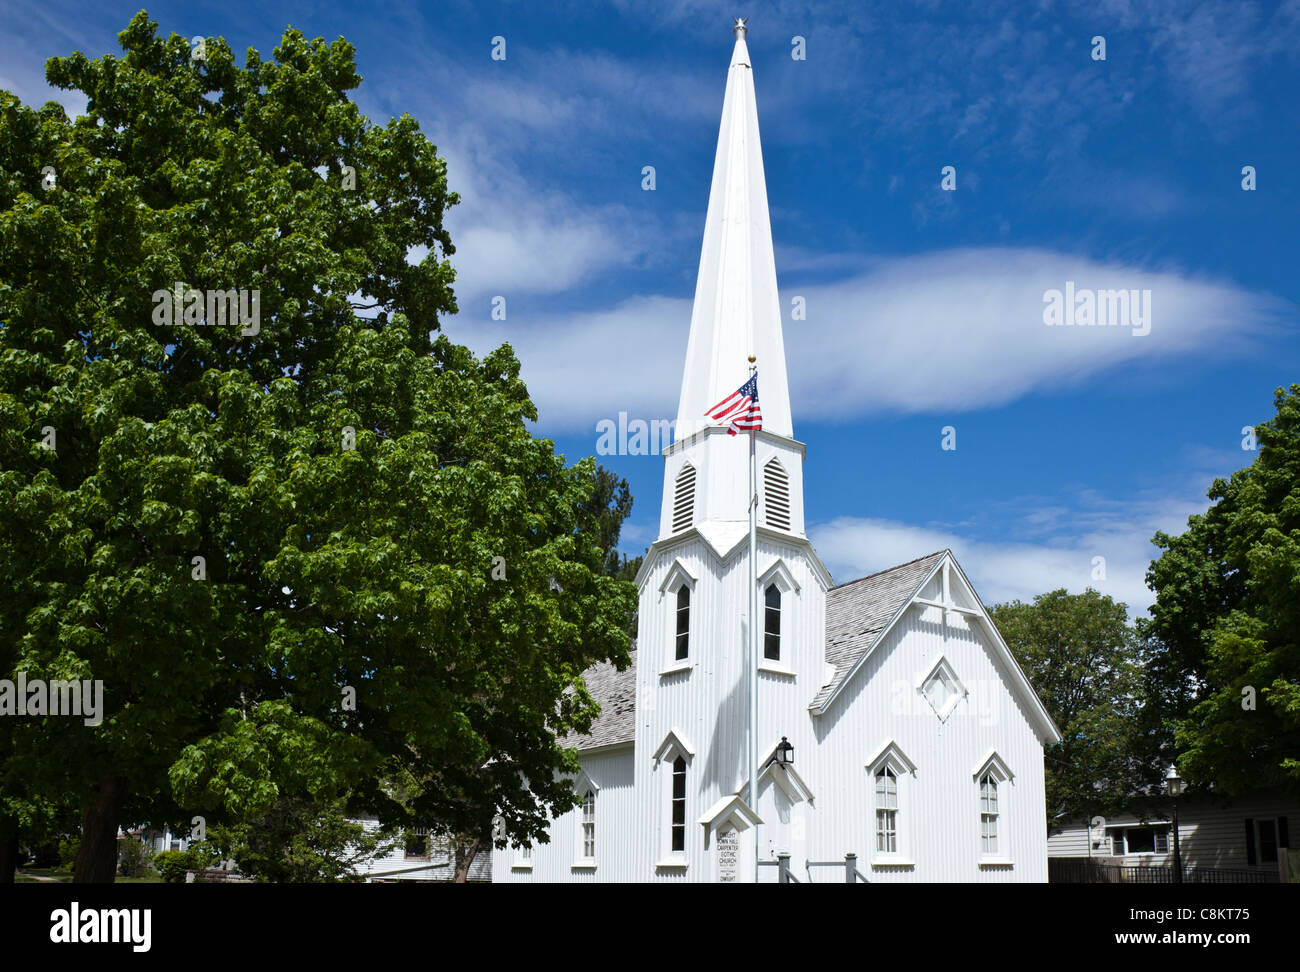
(465, 853)
(97, 856)
(8, 849)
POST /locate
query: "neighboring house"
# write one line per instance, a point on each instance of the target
(157, 840)
(421, 857)
(917, 740)
(1242, 834)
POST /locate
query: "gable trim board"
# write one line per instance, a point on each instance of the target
(675, 739)
(1018, 682)
(992, 761)
(892, 755)
(785, 778)
(677, 572)
(729, 810)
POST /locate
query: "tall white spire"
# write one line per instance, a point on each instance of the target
(737, 311)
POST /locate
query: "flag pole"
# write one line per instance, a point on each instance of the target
(753, 630)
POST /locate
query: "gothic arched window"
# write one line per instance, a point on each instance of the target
(589, 825)
(772, 623)
(679, 805)
(886, 811)
(989, 814)
(683, 648)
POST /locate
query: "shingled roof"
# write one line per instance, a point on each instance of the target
(615, 691)
(858, 612)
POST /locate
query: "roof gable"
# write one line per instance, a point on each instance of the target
(861, 613)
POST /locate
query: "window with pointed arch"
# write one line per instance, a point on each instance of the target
(772, 623)
(886, 811)
(588, 830)
(677, 835)
(988, 814)
(682, 648)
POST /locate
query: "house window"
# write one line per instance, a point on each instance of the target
(1263, 837)
(1139, 840)
(772, 623)
(587, 830)
(886, 811)
(683, 622)
(417, 844)
(679, 805)
(989, 814)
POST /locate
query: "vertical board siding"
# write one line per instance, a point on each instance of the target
(939, 812)
(708, 706)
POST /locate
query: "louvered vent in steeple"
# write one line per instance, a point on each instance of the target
(684, 498)
(776, 496)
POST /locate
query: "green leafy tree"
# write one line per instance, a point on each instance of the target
(278, 546)
(1227, 617)
(301, 841)
(133, 861)
(1085, 662)
(608, 507)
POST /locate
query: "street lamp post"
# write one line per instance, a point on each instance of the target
(1174, 787)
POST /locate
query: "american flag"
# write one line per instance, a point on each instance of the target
(740, 408)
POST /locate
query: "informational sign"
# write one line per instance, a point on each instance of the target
(728, 845)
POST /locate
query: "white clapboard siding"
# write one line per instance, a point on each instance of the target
(1212, 832)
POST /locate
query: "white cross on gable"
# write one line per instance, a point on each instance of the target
(946, 603)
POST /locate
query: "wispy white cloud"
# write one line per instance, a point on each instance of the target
(945, 332)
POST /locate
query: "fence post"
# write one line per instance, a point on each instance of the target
(850, 868)
(784, 861)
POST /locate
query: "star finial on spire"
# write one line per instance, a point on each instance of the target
(740, 28)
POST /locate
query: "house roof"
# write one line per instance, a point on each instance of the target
(858, 612)
(615, 692)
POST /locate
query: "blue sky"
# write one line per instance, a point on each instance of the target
(924, 307)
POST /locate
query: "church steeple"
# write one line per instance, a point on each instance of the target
(737, 311)
(737, 314)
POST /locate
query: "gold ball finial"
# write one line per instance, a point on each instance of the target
(752, 359)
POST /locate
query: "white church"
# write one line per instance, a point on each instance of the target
(894, 724)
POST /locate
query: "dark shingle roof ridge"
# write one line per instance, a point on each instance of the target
(888, 570)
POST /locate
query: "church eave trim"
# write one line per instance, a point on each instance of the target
(664, 545)
(762, 434)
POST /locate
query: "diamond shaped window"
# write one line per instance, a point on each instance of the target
(942, 689)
